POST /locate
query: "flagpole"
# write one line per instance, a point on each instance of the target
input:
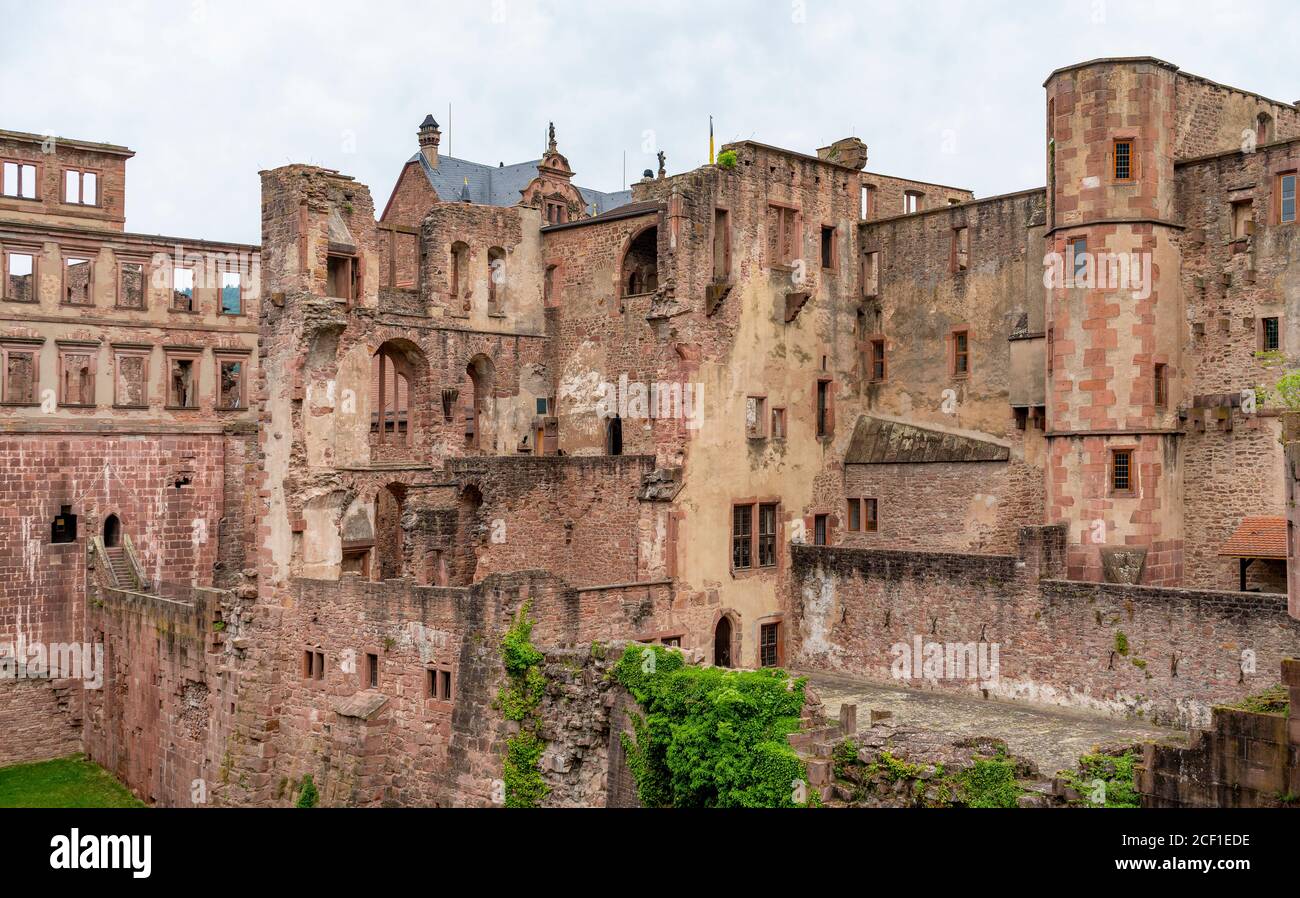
(710, 140)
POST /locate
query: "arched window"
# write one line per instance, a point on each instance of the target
(640, 272)
(482, 375)
(390, 396)
(496, 257)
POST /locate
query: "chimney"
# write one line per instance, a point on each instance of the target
(429, 136)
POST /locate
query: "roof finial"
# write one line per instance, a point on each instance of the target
(550, 135)
(663, 165)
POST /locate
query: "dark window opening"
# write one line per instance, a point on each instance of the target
(722, 643)
(960, 353)
(871, 524)
(614, 436)
(372, 670)
(823, 408)
(64, 527)
(820, 527)
(112, 531)
(1161, 386)
(1271, 335)
(828, 247)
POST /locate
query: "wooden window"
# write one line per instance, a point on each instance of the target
(778, 423)
(913, 201)
(1121, 470)
(131, 378)
(20, 276)
(130, 285)
(854, 515)
(824, 410)
(19, 180)
(1124, 165)
(232, 391)
(80, 188)
(871, 274)
(870, 522)
(782, 235)
(372, 670)
(960, 353)
(1243, 219)
(769, 644)
(1286, 199)
(742, 537)
(960, 248)
(232, 293)
(821, 529)
(721, 245)
(767, 534)
(755, 417)
(1270, 334)
(20, 372)
(342, 277)
(877, 361)
(828, 246)
(1160, 385)
(77, 286)
(182, 289)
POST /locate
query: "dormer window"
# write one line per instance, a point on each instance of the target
(556, 213)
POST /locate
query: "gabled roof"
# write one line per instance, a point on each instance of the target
(498, 185)
(879, 441)
(1262, 536)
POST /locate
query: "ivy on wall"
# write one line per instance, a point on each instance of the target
(711, 737)
(519, 699)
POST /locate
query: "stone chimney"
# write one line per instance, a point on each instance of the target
(848, 151)
(429, 137)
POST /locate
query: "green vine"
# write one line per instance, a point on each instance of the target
(308, 797)
(519, 698)
(712, 737)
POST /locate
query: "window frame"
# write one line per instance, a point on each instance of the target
(1128, 453)
(877, 357)
(221, 294)
(225, 357)
(776, 644)
(787, 232)
(195, 356)
(1263, 339)
(20, 346)
(757, 543)
(1160, 385)
(141, 352)
(36, 180)
(81, 173)
(959, 258)
(1280, 182)
(1132, 175)
(959, 336)
(172, 291)
(824, 414)
(91, 352)
(9, 252)
(64, 260)
(760, 429)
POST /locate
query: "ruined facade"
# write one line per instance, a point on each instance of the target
(777, 410)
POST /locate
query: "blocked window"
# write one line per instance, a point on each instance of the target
(1123, 161)
(130, 285)
(76, 378)
(19, 180)
(183, 289)
(769, 644)
(232, 293)
(20, 373)
(782, 235)
(549, 295)
(1286, 197)
(960, 353)
(20, 277)
(960, 248)
(1121, 470)
(182, 382)
(778, 423)
(755, 417)
(767, 534)
(721, 245)
(496, 259)
(459, 279)
(230, 387)
(80, 188)
(742, 537)
(871, 274)
(913, 201)
(131, 378)
(76, 281)
(1243, 219)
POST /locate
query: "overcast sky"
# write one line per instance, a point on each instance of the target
(208, 93)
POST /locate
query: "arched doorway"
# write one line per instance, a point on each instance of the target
(722, 642)
(640, 270)
(112, 532)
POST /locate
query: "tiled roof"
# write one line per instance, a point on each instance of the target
(1263, 536)
(878, 441)
(499, 185)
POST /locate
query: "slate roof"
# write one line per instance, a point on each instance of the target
(878, 441)
(499, 185)
(1262, 536)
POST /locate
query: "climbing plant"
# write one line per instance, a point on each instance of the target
(711, 737)
(519, 699)
(308, 797)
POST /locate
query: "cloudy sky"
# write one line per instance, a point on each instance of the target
(207, 93)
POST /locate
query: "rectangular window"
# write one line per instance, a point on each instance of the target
(306, 663)
(1051, 349)
(372, 670)
(824, 421)
(960, 248)
(821, 525)
(230, 389)
(769, 643)
(1123, 159)
(867, 202)
(183, 289)
(755, 417)
(912, 201)
(766, 535)
(131, 379)
(20, 373)
(870, 523)
(1286, 198)
(721, 245)
(318, 666)
(130, 285)
(877, 361)
(20, 277)
(855, 515)
(341, 277)
(182, 382)
(444, 685)
(1079, 258)
(232, 293)
(742, 537)
(1243, 219)
(548, 286)
(960, 353)
(828, 246)
(782, 235)
(1270, 334)
(76, 378)
(80, 188)
(20, 180)
(76, 281)
(870, 274)
(778, 424)
(1160, 387)
(1121, 470)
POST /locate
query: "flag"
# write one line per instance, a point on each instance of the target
(710, 140)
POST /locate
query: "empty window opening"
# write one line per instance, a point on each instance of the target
(769, 641)
(183, 289)
(63, 529)
(782, 235)
(721, 245)
(1121, 470)
(130, 285)
(182, 384)
(459, 279)
(866, 201)
(20, 180)
(390, 537)
(755, 417)
(232, 299)
(112, 531)
(960, 248)
(20, 277)
(871, 274)
(913, 201)
(1123, 160)
(614, 436)
(76, 379)
(641, 264)
(80, 188)
(342, 273)
(548, 286)
(778, 423)
(390, 396)
(20, 374)
(1243, 219)
(76, 282)
(828, 246)
(722, 642)
(231, 388)
(482, 375)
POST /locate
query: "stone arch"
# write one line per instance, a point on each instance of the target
(726, 639)
(399, 394)
(639, 272)
(112, 531)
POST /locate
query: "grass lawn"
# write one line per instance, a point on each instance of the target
(63, 783)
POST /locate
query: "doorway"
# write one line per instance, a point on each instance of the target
(722, 643)
(112, 532)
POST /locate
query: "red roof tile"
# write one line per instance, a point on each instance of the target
(1257, 537)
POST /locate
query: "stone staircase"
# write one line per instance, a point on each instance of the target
(123, 571)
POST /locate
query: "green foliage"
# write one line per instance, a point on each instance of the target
(1121, 642)
(710, 737)
(63, 783)
(727, 159)
(1285, 393)
(1115, 771)
(844, 756)
(308, 797)
(1273, 700)
(989, 783)
(519, 698)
